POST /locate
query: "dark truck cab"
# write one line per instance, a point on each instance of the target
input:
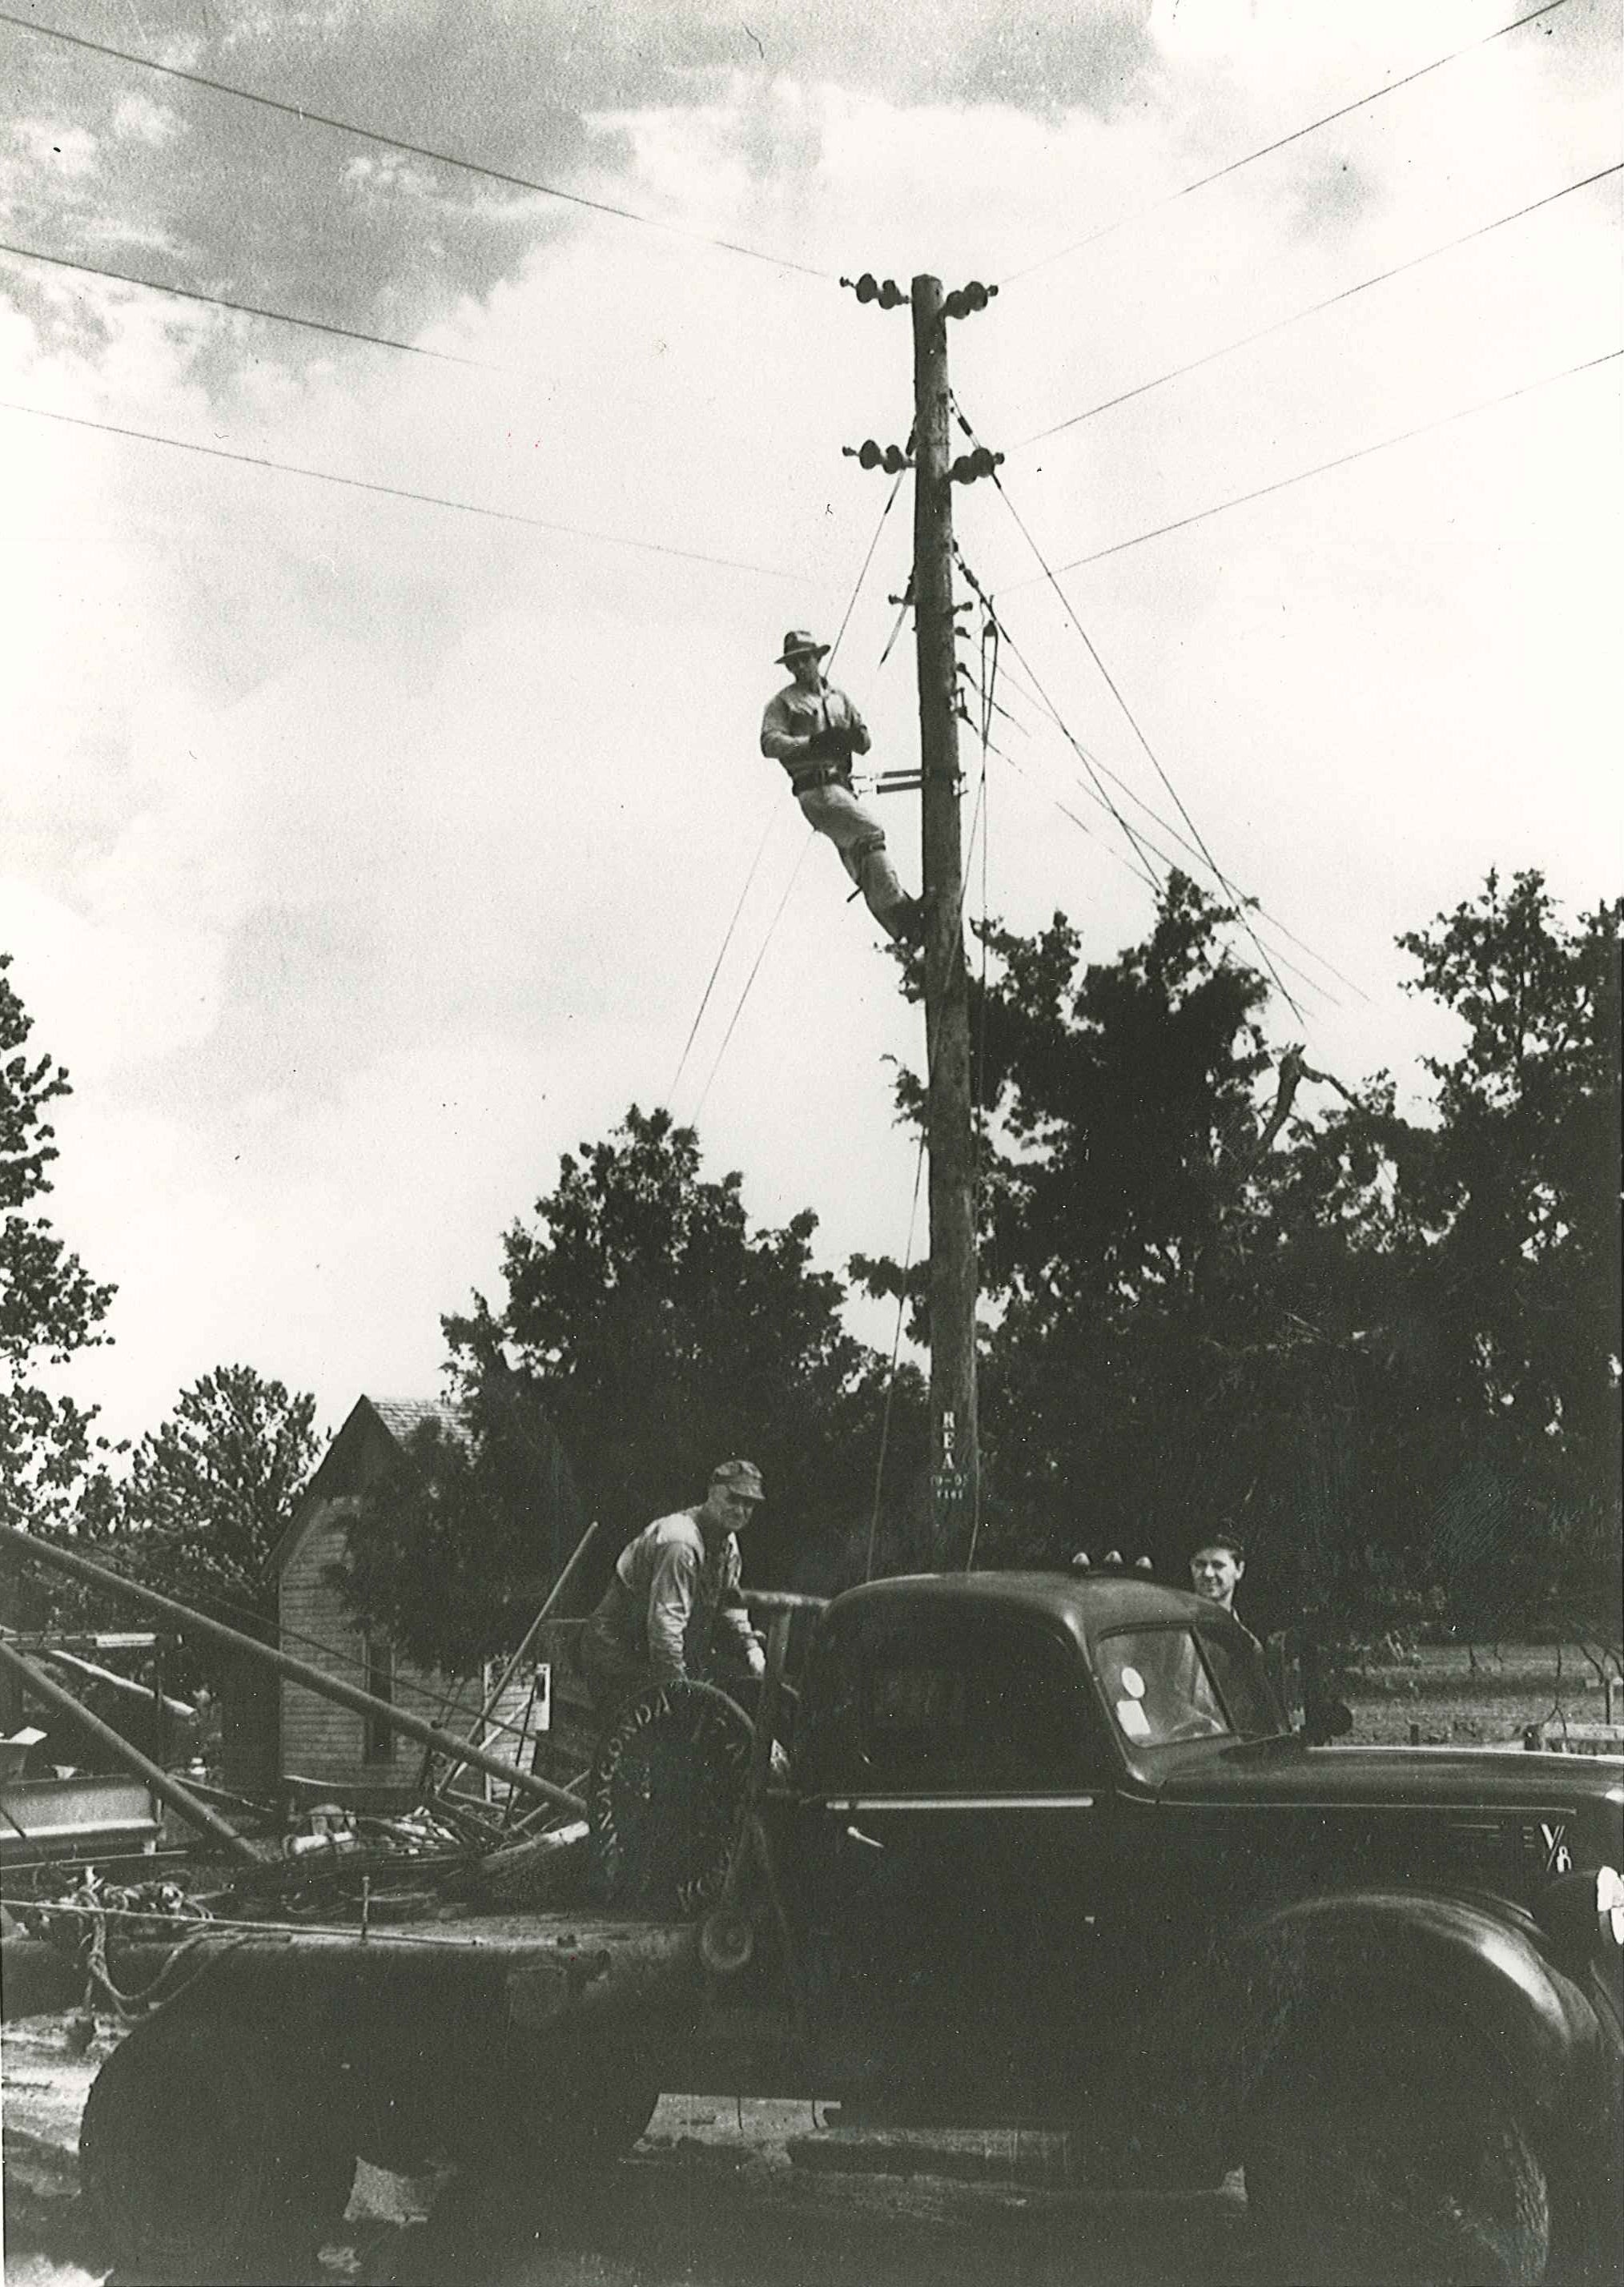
(1041, 1852)
(1057, 1858)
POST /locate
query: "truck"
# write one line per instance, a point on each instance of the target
(1027, 1848)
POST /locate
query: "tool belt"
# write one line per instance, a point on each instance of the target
(820, 774)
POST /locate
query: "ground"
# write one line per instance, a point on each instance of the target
(1484, 1697)
(758, 2195)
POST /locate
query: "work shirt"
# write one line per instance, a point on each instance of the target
(677, 1584)
(794, 715)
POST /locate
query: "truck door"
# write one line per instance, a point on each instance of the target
(952, 1845)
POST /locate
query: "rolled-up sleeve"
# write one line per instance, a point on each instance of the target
(670, 1602)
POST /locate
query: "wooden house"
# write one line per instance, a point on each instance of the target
(325, 1749)
(328, 1751)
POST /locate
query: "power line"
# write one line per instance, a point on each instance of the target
(1322, 468)
(402, 492)
(308, 118)
(1154, 206)
(1083, 756)
(1314, 309)
(1133, 722)
(1168, 828)
(245, 309)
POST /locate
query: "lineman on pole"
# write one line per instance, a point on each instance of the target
(815, 731)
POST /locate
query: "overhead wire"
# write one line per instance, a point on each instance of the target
(404, 492)
(306, 117)
(1148, 872)
(1240, 904)
(246, 309)
(1264, 150)
(1314, 309)
(1168, 827)
(1320, 468)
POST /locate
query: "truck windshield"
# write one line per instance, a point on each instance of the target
(1164, 1687)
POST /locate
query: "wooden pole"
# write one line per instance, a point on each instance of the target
(298, 1670)
(954, 1457)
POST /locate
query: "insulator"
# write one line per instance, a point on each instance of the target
(892, 295)
(1113, 1556)
(1142, 1565)
(1081, 1561)
(896, 460)
(869, 454)
(867, 287)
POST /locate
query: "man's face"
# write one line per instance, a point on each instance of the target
(1214, 1573)
(731, 1511)
(807, 669)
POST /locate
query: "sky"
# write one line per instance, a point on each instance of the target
(362, 854)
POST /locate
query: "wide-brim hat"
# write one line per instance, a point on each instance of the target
(797, 643)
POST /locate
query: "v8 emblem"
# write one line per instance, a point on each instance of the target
(1558, 1857)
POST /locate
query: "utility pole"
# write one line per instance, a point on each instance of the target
(956, 1464)
(954, 1455)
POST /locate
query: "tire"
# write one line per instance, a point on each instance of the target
(201, 2150)
(1378, 2153)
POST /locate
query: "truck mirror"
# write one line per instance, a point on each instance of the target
(1324, 1720)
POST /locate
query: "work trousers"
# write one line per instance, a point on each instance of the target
(837, 814)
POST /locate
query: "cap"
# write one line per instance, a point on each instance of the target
(741, 1478)
(797, 643)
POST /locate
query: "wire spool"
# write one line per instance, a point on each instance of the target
(664, 1799)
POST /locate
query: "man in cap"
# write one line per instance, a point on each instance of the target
(675, 1588)
(815, 731)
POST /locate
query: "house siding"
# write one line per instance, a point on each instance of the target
(321, 1741)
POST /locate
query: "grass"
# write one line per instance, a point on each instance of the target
(1440, 1696)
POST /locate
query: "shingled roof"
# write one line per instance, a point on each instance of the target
(374, 1430)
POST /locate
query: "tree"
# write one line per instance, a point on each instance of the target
(655, 1332)
(50, 1306)
(455, 1551)
(211, 1492)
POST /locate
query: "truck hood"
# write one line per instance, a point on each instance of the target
(1287, 1773)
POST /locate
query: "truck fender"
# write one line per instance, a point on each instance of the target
(1477, 1971)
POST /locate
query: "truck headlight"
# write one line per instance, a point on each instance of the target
(1610, 1903)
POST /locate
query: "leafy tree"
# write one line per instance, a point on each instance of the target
(50, 1306)
(656, 1331)
(211, 1492)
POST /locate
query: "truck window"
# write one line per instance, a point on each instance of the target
(1158, 1688)
(964, 1705)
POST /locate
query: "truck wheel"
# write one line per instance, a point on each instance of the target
(201, 2149)
(1377, 2151)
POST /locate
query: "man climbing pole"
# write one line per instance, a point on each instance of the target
(815, 731)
